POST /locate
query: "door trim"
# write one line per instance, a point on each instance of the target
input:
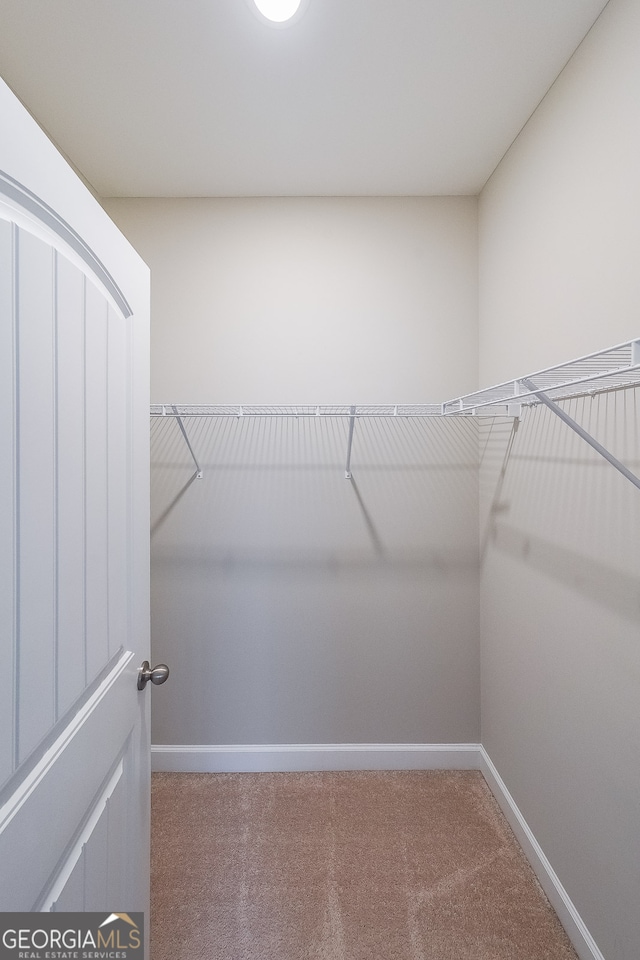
(24, 198)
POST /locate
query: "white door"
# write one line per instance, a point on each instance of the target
(74, 731)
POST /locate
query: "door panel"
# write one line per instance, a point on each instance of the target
(35, 434)
(117, 802)
(82, 878)
(96, 460)
(72, 892)
(7, 473)
(74, 740)
(96, 855)
(62, 790)
(119, 481)
(72, 474)
(74, 539)
(71, 668)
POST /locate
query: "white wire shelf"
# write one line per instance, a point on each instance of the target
(612, 369)
(297, 410)
(615, 368)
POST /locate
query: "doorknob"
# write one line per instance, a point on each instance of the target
(158, 675)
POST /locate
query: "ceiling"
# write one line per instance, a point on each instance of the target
(358, 97)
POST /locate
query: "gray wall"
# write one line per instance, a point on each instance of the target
(560, 588)
(292, 605)
(321, 300)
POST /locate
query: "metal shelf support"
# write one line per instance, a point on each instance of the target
(570, 422)
(188, 443)
(352, 423)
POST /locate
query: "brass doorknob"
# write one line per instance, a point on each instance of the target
(157, 675)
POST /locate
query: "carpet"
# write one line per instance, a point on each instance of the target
(342, 866)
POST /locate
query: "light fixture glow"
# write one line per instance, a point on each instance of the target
(278, 11)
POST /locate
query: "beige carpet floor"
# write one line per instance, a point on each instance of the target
(342, 866)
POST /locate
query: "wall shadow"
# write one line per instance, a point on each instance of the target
(549, 501)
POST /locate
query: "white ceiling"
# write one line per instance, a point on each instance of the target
(359, 97)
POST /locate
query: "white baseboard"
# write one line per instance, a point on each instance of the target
(584, 944)
(265, 758)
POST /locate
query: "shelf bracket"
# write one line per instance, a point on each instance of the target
(514, 409)
(570, 422)
(188, 443)
(352, 423)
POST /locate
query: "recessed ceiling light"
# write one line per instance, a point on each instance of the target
(278, 11)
